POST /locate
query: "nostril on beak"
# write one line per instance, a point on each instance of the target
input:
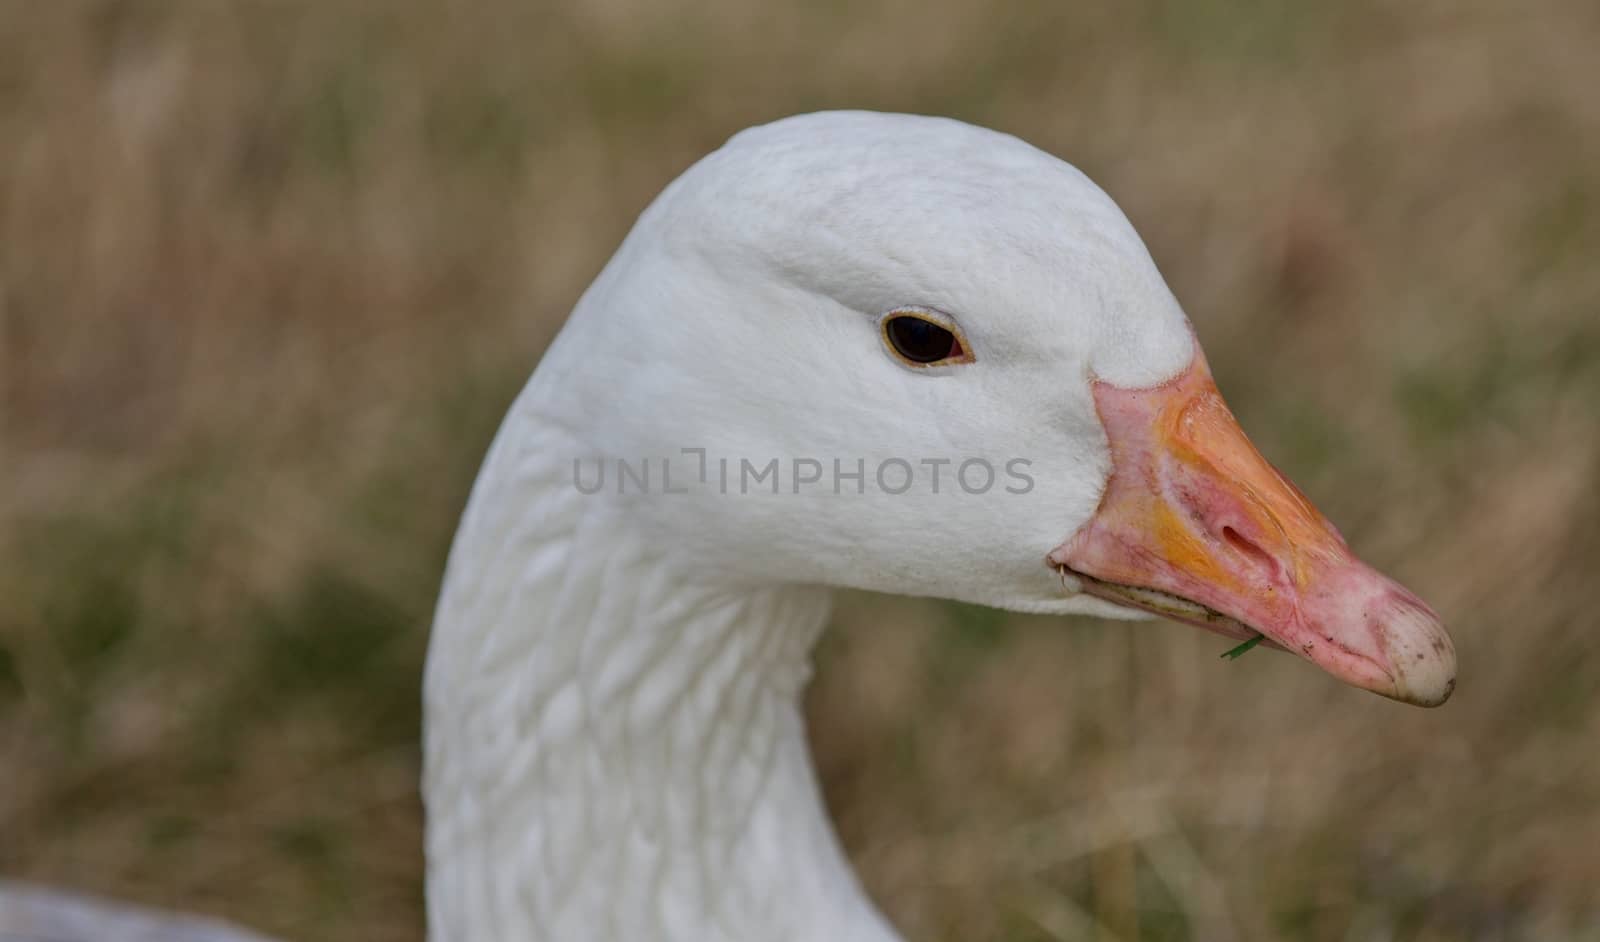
(1249, 549)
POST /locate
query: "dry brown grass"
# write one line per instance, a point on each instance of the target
(269, 273)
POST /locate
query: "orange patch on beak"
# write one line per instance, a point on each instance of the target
(1196, 525)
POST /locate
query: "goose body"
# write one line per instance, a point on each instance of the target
(40, 914)
(731, 425)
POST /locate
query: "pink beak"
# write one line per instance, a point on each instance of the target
(1197, 526)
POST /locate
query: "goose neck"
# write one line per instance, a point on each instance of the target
(615, 748)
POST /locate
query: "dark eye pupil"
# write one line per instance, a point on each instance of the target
(922, 341)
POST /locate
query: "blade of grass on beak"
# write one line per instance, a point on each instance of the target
(1235, 652)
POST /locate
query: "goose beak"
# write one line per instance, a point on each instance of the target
(1197, 526)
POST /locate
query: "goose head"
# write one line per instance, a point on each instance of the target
(909, 355)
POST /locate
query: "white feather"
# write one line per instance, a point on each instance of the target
(615, 748)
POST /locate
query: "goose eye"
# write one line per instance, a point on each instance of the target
(922, 342)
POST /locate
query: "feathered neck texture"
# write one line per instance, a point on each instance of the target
(615, 749)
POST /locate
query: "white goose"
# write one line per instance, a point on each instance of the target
(846, 350)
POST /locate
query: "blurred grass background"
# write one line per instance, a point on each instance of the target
(271, 271)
